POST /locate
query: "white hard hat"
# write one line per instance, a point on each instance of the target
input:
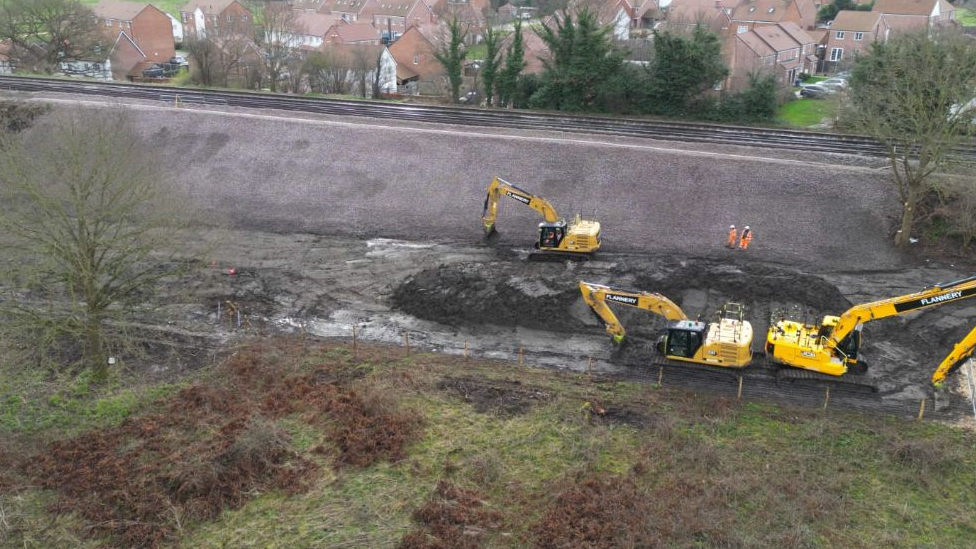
(731, 226)
(747, 226)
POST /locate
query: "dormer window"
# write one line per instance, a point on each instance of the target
(771, 10)
(752, 9)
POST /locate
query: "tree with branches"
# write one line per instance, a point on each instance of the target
(450, 52)
(85, 229)
(280, 29)
(915, 95)
(45, 33)
(514, 64)
(491, 63)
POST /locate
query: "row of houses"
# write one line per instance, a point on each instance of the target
(778, 37)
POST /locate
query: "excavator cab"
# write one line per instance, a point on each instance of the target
(683, 339)
(551, 234)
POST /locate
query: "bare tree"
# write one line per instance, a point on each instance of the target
(44, 33)
(365, 61)
(914, 94)
(85, 232)
(280, 33)
(221, 56)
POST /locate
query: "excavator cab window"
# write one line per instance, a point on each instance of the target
(850, 344)
(550, 235)
(684, 342)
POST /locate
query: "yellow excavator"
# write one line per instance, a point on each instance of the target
(961, 352)
(726, 342)
(577, 239)
(832, 347)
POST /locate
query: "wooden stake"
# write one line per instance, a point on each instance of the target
(521, 356)
(406, 341)
(660, 376)
(826, 398)
(738, 395)
(465, 348)
(921, 410)
(589, 367)
(354, 353)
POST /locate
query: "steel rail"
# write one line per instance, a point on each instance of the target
(625, 127)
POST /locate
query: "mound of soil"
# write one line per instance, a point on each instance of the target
(213, 447)
(477, 294)
(452, 518)
(506, 398)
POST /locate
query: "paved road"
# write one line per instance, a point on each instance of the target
(353, 178)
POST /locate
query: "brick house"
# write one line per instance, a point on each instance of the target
(851, 34)
(914, 15)
(393, 17)
(360, 62)
(714, 15)
(342, 32)
(310, 29)
(416, 67)
(351, 10)
(536, 50)
(145, 25)
(783, 50)
(215, 17)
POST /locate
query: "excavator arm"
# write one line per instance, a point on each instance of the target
(929, 297)
(597, 296)
(960, 353)
(498, 188)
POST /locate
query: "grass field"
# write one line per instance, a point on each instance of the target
(966, 17)
(803, 113)
(504, 457)
(169, 6)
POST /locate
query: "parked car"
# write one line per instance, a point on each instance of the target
(178, 60)
(815, 91)
(836, 84)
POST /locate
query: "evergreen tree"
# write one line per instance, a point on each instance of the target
(490, 68)
(451, 53)
(683, 69)
(582, 65)
(514, 63)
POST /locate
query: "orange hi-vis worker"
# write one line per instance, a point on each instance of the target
(746, 238)
(730, 243)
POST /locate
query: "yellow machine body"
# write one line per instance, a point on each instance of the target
(961, 352)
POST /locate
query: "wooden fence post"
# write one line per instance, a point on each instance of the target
(826, 398)
(521, 361)
(354, 350)
(660, 376)
(921, 410)
(738, 395)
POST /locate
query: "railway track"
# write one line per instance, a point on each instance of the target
(623, 127)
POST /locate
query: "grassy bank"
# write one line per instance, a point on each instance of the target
(803, 113)
(474, 454)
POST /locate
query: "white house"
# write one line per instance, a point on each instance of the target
(177, 28)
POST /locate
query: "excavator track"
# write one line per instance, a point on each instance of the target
(558, 256)
(763, 367)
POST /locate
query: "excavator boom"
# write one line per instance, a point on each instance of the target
(597, 296)
(498, 188)
(961, 352)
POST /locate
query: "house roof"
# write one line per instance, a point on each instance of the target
(905, 7)
(796, 33)
(755, 43)
(349, 6)
(123, 11)
(314, 24)
(210, 7)
(771, 11)
(535, 50)
(395, 8)
(692, 11)
(775, 37)
(849, 20)
(352, 55)
(313, 5)
(353, 32)
(818, 35)
(509, 7)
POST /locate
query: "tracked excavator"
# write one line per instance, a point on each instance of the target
(961, 352)
(577, 239)
(832, 347)
(726, 342)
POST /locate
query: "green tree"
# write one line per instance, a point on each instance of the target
(84, 230)
(582, 64)
(684, 67)
(914, 94)
(490, 65)
(514, 64)
(451, 52)
(44, 33)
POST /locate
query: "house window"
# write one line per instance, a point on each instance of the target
(742, 29)
(839, 35)
(858, 36)
(836, 54)
(416, 59)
